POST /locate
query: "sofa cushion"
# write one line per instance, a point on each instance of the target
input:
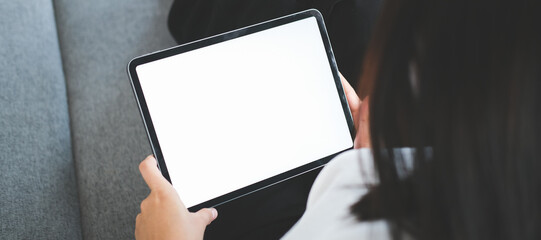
(39, 193)
(98, 38)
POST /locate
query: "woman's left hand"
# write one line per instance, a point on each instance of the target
(163, 215)
(359, 110)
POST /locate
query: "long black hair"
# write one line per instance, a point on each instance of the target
(460, 82)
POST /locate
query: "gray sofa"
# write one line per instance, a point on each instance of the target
(71, 137)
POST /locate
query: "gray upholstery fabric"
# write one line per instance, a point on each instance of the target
(98, 38)
(39, 194)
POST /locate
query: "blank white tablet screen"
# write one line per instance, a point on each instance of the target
(232, 114)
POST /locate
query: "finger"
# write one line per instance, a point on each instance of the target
(353, 99)
(137, 219)
(349, 91)
(137, 224)
(206, 215)
(362, 138)
(143, 204)
(151, 174)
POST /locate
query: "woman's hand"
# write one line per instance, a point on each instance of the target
(163, 215)
(359, 110)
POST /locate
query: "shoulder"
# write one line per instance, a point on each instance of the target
(352, 168)
(339, 185)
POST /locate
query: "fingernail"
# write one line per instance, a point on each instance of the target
(214, 213)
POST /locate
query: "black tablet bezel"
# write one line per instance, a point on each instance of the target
(147, 120)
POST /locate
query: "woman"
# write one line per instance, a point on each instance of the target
(459, 83)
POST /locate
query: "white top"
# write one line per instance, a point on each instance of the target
(340, 185)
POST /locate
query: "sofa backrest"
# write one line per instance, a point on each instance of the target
(38, 197)
(71, 137)
(97, 40)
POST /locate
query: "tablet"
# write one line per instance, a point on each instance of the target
(234, 113)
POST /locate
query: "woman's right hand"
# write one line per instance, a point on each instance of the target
(359, 111)
(163, 215)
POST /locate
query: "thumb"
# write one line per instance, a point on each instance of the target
(151, 174)
(206, 215)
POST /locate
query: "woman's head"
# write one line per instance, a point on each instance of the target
(463, 78)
